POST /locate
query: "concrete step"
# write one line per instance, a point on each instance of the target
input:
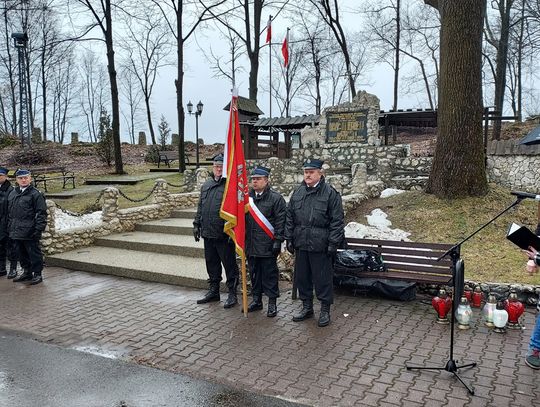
(156, 267)
(184, 213)
(149, 242)
(177, 226)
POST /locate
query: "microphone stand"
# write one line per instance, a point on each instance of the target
(458, 274)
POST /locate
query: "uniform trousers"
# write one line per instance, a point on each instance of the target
(314, 269)
(30, 255)
(264, 276)
(7, 250)
(216, 253)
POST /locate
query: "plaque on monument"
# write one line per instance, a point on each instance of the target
(346, 126)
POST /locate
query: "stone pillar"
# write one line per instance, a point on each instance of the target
(202, 175)
(175, 139)
(359, 178)
(142, 138)
(74, 138)
(384, 170)
(161, 192)
(109, 214)
(50, 228)
(36, 135)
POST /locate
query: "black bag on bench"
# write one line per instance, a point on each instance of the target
(354, 262)
(348, 269)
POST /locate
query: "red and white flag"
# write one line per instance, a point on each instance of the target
(269, 30)
(285, 50)
(235, 197)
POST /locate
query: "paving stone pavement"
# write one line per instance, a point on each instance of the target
(359, 360)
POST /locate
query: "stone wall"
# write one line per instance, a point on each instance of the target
(114, 219)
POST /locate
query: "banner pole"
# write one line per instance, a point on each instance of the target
(244, 286)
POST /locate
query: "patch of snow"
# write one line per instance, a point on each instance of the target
(391, 191)
(378, 219)
(379, 228)
(64, 221)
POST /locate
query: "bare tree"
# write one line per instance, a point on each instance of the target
(147, 49)
(172, 12)
(384, 21)
(92, 92)
(63, 84)
(420, 42)
(133, 97)
(9, 67)
(101, 12)
(329, 12)
(458, 168)
(500, 43)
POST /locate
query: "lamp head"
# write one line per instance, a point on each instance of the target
(190, 107)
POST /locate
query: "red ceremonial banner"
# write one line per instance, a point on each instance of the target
(235, 197)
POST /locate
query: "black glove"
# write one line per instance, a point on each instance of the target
(36, 235)
(332, 250)
(197, 233)
(276, 247)
(290, 247)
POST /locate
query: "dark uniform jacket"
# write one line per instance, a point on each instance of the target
(315, 218)
(5, 189)
(207, 217)
(272, 206)
(27, 214)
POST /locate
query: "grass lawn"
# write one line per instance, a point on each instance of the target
(489, 256)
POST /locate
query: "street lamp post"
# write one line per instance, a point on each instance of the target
(197, 113)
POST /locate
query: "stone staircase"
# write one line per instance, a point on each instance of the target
(160, 250)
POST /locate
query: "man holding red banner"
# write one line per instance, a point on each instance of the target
(218, 247)
(265, 224)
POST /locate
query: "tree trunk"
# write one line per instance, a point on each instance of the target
(396, 65)
(119, 166)
(458, 168)
(253, 51)
(179, 84)
(149, 119)
(501, 62)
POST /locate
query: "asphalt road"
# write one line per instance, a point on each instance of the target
(37, 374)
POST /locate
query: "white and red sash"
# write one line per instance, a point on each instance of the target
(260, 219)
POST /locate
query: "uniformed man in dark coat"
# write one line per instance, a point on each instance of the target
(6, 249)
(218, 247)
(265, 225)
(27, 221)
(314, 230)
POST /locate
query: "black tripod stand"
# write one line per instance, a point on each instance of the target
(457, 284)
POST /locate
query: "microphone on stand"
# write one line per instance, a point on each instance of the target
(523, 195)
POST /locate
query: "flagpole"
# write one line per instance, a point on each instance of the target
(270, 65)
(287, 75)
(244, 286)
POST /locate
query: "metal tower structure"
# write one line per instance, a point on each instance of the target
(20, 41)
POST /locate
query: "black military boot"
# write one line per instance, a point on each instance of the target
(12, 270)
(256, 304)
(272, 308)
(36, 279)
(25, 276)
(324, 316)
(232, 299)
(306, 311)
(212, 294)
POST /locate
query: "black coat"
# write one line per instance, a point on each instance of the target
(207, 217)
(5, 189)
(273, 207)
(315, 218)
(27, 213)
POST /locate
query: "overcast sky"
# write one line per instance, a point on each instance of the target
(199, 84)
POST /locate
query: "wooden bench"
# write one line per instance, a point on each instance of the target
(44, 174)
(409, 261)
(167, 157)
